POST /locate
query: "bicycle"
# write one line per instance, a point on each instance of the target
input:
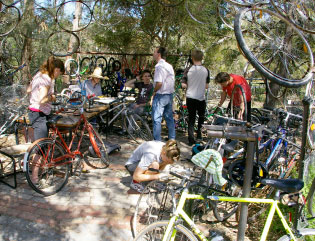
(49, 161)
(134, 124)
(174, 228)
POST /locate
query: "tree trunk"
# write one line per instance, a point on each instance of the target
(27, 44)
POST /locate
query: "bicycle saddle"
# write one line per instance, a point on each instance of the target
(53, 120)
(285, 185)
(230, 147)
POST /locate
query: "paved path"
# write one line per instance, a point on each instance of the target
(94, 206)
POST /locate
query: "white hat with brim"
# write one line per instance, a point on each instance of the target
(211, 161)
(97, 73)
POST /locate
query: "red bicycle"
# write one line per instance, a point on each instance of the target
(49, 161)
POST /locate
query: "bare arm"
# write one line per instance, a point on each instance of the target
(131, 83)
(44, 97)
(145, 175)
(242, 108)
(223, 97)
(157, 86)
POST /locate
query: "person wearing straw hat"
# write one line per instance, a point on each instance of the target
(92, 86)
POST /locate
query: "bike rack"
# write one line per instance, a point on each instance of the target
(250, 136)
(6, 175)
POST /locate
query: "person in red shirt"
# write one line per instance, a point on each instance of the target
(228, 82)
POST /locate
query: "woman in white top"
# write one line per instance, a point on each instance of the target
(41, 90)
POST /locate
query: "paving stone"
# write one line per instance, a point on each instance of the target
(93, 206)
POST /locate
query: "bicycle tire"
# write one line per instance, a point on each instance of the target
(9, 19)
(137, 127)
(155, 231)
(200, 12)
(152, 205)
(66, 11)
(85, 65)
(52, 177)
(301, 232)
(296, 9)
(224, 210)
(102, 63)
(99, 148)
(108, 13)
(72, 67)
(57, 43)
(301, 73)
(310, 199)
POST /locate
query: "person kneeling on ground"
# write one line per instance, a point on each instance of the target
(151, 154)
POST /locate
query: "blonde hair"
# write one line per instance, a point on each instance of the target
(171, 150)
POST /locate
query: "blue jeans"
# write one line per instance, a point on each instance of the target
(163, 107)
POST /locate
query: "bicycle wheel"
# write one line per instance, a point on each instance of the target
(43, 173)
(310, 199)
(9, 19)
(102, 63)
(203, 12)
(224, 210)
(137, 127)
(58, 42)
(276, 48)
(99, 148)
(68, 17)
(86, 66)
(154, 204)
(156, 230)
(301, 234)
(301, 13)
(71, 67)
(109, 13)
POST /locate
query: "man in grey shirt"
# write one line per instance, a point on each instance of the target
(196, 79)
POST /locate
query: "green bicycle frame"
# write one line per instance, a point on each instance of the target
(171, 232)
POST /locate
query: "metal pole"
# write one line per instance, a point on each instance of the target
(306, 114)
(246, 190)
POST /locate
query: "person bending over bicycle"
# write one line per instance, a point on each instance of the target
(228, 82)
(41, 91)
(145, 87)
(151, 154)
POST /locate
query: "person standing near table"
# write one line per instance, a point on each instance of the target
(41, 90)
(195, 80)
(162, 106)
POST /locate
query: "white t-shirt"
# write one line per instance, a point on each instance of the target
(39, 81)
(196, 77)
(146, 153)
(164, 73)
